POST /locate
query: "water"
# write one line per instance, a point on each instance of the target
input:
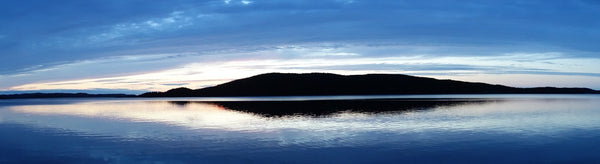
(338, 129)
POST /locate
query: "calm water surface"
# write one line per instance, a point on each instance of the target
(340, 129)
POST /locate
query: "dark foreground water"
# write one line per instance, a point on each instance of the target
(346, 129)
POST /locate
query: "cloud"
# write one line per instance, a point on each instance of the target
(246, 2)
(43, 41)
(101, 67)
(302, 59)
(70, 31)
(174, 21)
(176, 84)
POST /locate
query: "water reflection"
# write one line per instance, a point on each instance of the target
(391, 115)
(325, 108)
(198, 115)
(383, 130)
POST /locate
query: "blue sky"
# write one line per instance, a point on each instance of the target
(156, 45)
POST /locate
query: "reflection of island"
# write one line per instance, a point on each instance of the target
(327, 107)
(280, 84)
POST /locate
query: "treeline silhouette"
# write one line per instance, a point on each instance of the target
(289, 84)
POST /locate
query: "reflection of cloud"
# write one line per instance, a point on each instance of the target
(192, 115)
(530, 116)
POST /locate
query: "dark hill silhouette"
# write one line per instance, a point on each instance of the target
(288, 84)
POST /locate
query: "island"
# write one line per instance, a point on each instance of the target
(314, 84)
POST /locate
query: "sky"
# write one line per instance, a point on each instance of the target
(134, 46)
